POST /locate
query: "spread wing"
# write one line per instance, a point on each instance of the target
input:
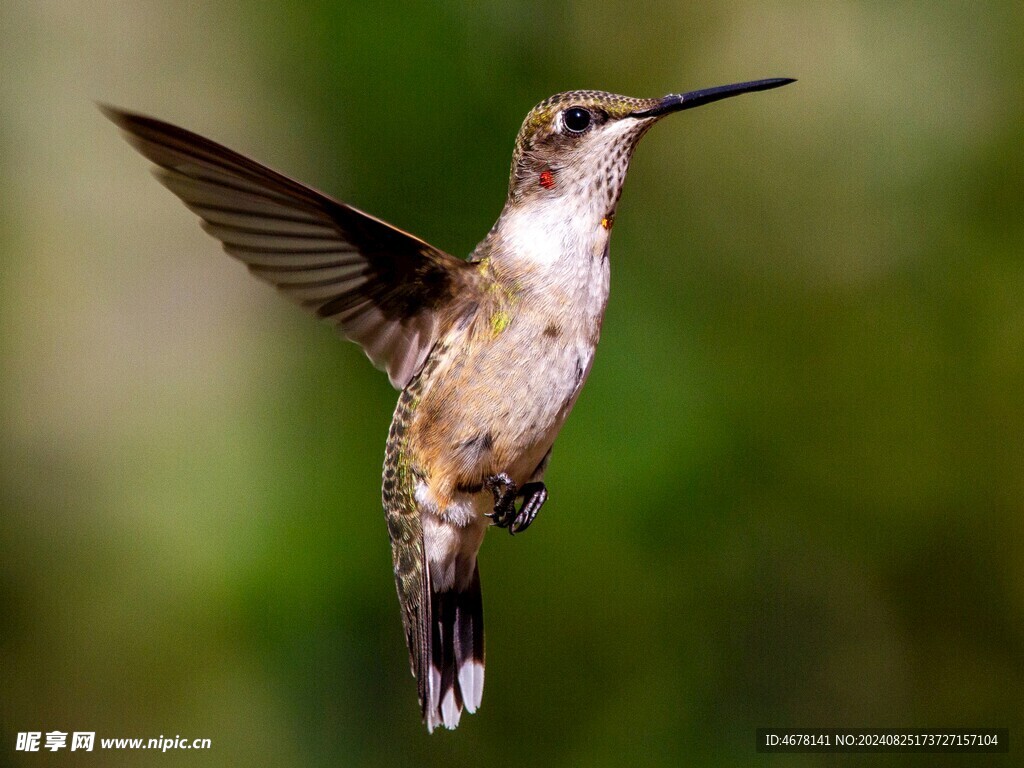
(385, 289)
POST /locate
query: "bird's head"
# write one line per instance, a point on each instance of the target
(579, 143)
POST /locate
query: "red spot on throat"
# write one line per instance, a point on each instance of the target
(547, 179)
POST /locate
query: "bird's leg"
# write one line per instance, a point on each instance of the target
(506, 492)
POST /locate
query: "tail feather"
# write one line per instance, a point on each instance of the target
(469, 644)
(456, 675)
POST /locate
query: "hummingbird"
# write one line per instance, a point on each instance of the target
(489, 353)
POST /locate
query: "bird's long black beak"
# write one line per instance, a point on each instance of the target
(676, 102)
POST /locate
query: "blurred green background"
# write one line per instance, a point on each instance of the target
(790, 495)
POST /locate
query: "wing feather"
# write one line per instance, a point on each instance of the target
(383, 288)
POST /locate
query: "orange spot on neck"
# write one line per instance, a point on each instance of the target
(607, 222)
(547, 179)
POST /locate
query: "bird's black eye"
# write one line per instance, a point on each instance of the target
(576, 119)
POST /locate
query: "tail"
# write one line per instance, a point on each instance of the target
(455, 674)
(443, 618)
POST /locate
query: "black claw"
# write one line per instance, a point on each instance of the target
(505, 492)
(505, 514)
(534, 495)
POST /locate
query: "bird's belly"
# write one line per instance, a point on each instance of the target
(499, 407)
(536, 401)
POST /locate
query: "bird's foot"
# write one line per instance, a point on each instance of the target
(506, 492)
(534, 495)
